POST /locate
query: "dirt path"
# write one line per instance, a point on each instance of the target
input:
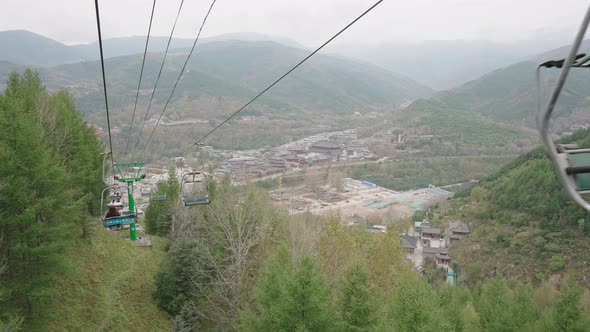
(111, 290)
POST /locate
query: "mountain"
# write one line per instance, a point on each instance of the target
(510, 94)
(28, 48)
(6, 68)
(115, 47)
(444, 64)
(523, 224)
(238, 70)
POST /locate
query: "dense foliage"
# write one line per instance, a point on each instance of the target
(50, 181)
(246, 267)
(524, 224)
(158, 214)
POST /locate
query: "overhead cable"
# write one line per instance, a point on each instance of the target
(179, 76)
(283, 76)
(159, 75)
(104, 82)
(147, 40)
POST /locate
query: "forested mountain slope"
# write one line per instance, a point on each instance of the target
(510, 94)
(237, 70)
(523, 224)
(56, 272)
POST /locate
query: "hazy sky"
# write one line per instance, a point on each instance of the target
(307, 21)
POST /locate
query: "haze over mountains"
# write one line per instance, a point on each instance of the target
(446, 64)
(29, 48)
(510, 94)
(221, 67)
(440, 65)
(238, 65)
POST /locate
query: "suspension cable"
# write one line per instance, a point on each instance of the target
(179, 76)
(159, 74)
(104, 82)
(283, 76)
(147, 40)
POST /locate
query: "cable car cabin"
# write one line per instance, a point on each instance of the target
(194, 189)
(576, 163)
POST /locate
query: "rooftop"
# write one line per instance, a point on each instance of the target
(430, 250)
(326, 145)
(409, 242)
(459, 227)
(431, 230)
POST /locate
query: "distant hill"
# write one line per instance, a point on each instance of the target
(237, 70)
(446, 64)
(28, 48)
(510, 94)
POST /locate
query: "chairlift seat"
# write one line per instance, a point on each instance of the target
(580, 169)
(577, 165)
(195, 200)
(572, 163)
(119, 220)
(159, 198)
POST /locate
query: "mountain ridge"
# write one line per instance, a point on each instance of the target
(50, 52)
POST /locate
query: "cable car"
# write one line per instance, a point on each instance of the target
(116, 213)
(194, 188)
(572, 163)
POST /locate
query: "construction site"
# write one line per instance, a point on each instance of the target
(358, 199)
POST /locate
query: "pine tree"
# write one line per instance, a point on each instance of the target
(502, 308)
(308, 299)
(470, 318)
(567, 310)
(355, 301)
(158, 217)
(36, 201)
(290, 299)
(49, 182)
(173, 280)
(415, 307)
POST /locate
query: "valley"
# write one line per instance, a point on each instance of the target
(348, 197)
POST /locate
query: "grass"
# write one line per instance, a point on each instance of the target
(107, 287)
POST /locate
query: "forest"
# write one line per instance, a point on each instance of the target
(50, 182)
(243, 264)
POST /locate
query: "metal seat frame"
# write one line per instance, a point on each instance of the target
(194, 200)
(566, 158)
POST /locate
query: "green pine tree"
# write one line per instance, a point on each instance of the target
(290, 299)
(568, 312)
(356, 308)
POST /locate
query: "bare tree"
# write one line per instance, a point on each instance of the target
(229, 237)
